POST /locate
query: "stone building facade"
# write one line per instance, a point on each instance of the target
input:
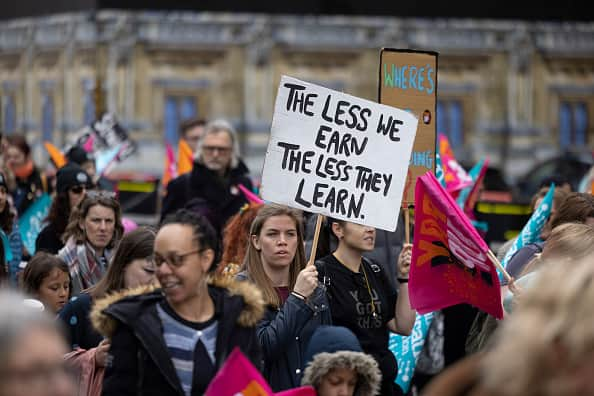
(515, 90)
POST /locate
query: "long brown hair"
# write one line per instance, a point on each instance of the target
(253, 262)
(137, 244)
(82, 210)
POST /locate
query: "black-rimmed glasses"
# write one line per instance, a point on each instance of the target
(174, 259)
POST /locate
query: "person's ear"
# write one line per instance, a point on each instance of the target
(256, 242)
(337, 230)
(207, 259)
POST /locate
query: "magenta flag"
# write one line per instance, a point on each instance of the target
(449, 258)
(238, 377)
(250, 196)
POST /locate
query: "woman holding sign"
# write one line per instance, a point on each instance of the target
(275, 262)
(362, 298)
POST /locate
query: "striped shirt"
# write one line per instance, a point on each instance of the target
(184, 343)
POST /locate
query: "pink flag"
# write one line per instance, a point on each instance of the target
(239, 377)
(250, 196)
(449, 259)
(88, 146)
(455, 176)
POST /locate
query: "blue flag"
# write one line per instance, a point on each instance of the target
(31, 221)
(407, 349)
(531, 231)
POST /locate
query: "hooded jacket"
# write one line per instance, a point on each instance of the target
(337, 347)
(141, 363)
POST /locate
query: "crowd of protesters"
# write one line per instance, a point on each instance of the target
(157, 311)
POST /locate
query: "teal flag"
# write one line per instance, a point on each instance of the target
(31, 221)
(439, 174)
(407, 349)
(531, 231)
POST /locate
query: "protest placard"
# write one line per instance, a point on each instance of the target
(408, 80)
(338, 155)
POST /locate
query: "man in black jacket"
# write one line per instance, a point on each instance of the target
(211, 188)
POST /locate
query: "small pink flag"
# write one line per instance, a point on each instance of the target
(88, 146)
(250, 196)
(456, 178)
(449, 259)
(238, 377)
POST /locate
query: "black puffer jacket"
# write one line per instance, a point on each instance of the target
(141, 364)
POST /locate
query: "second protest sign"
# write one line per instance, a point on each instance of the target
(338, 155)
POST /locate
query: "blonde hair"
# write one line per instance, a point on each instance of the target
(549, 338)
(253, 262)
(569, 241)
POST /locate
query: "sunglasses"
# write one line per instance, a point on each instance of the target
(77, 189)
(101, 194)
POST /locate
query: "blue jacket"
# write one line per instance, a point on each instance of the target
(285, 333)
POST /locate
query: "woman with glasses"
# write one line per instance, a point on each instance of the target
(275, 262)
(95, 227)
(173, 340)
(71, 185)
(31, 351)
(362, 298)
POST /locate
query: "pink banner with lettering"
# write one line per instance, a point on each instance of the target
(455, 176)
(449, 261)
(239, 377)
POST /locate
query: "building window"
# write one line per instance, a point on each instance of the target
(177, 109)
(9, 115)
(47, 117)
(573, 124)
(450, 121)
(89, 107)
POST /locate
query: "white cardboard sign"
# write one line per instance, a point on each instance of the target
(338, 155)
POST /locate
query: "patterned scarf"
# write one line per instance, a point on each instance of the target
(85, 267)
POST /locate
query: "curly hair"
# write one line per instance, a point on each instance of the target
(236, 235)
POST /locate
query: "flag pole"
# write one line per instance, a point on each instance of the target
(314, 245)
(406, 224)
(498, 265)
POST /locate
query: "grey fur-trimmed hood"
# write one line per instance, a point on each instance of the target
(369, 375)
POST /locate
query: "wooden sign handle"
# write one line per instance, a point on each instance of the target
(314, 246)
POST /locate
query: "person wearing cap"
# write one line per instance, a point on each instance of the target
(86, 161)
(335, 364)
(71, 185)
(12, 242)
